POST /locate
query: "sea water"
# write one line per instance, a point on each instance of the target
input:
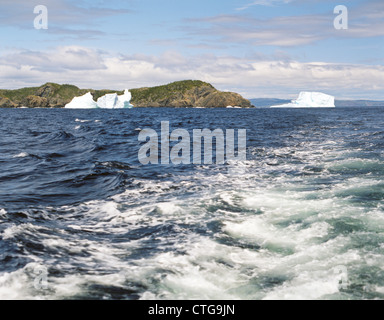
(301, 218)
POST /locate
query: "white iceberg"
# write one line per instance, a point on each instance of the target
(310, 100)
(84, 102)
(113, 101)
(108, 101)
(124, 101)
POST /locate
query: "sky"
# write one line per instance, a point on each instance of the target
(258, 48)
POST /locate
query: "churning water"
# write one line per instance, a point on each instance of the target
(301, 218)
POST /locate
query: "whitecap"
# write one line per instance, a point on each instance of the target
(15, 230)
(21, 155)
(168, 208)
(82, 121)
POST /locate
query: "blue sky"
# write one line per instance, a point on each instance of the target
(259, 48)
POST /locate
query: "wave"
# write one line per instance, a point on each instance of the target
(302, 218)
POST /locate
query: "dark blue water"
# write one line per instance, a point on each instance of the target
(302, 217)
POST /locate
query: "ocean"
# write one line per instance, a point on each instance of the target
(301, 218)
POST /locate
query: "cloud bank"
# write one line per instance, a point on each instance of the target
(88, 68)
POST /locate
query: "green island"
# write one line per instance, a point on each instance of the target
(180, 94)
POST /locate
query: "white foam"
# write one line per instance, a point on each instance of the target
(82, 121)
(15, 230)
(279, 235)
(21, 155)
(168, 208)
(197, 274)
(13, 286)
(20, 284)
(310, 286)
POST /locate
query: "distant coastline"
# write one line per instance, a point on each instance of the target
(267, 102)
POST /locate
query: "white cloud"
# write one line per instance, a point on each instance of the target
(268, 3)
(89, 68)
(62, 59)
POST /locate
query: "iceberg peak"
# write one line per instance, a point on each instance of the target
(124, 100)
(84, 102)
(310, 100)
